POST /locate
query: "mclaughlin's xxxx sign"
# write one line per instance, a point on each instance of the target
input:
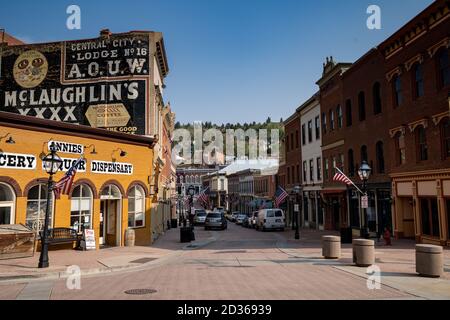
(100, 82)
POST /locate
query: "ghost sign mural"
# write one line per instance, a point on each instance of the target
(101, 83)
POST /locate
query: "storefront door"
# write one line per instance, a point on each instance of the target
(109, 223)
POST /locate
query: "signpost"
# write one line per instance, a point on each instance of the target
(364, 202)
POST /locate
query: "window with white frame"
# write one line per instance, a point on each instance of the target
(136, 207)
(81, 208)
(7, 202)
(36, 206)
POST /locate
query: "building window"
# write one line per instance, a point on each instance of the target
(36, 205)
(446, 139)
(324, 122)
(331, 120)
(418, 81)
(292, 141)
(380, 156)
(7, 202)
(310, 131)
(317, 128)
(430, 217)
(397, 87)
(364, 155)
(297, 143)
(289, 175)
(340, 117)
(422, 147)
(303, 135)
(81, 208)
(326, 171)
(342, 162)
(362, 106)
(348, 113)
(444, 67)
(351, 163)
(319, 169)
(298, 174)
(311, 170)
(377, 98)
(287, 143)
(136, 207)
(400, 149)
(305, 177)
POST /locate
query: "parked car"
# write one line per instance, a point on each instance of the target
(200, 217)
(271, 219)
(240, 218)
(253, 219)
(247, 223)
(228, 215)
(234, 216)
(215, 220)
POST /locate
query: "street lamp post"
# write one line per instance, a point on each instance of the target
(297, 191)
(364, 173)
(52, 164)
(191, 193)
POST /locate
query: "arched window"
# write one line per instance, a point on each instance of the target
(362, 106)
(331, 120)
(445, 129)
(348, 113)
(364, 155)
(7, 203)
(324, 122)
(444, 67)
(111, 192)
(340, 117)
(418, 81)
(397, 89)
(81, 208)
(400, 149)
(136, 207)
(422, 146)
(377, 108)
(351, 163)
(36, 206)
(380, 156)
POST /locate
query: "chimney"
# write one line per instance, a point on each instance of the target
(105, 33)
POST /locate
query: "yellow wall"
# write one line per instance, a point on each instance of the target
(33, 142)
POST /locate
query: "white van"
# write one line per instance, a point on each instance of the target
(271, 219)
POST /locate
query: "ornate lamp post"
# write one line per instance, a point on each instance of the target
(52, 164)
(364, 173)
(191, 193)
(297, 191)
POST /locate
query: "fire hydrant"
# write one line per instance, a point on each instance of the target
(387, 237)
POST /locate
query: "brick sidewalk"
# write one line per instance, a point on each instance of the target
(104, 260)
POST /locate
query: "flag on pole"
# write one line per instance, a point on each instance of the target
(341, 177)
(204, 196)
(280, 196)
(64, 185)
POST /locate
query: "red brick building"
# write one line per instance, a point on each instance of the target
(417, 72)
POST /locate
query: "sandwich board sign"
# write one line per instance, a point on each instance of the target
(89, 239)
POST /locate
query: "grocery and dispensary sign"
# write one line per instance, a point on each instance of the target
(103, 167)
(17, 161)
(100, 82)
(66, 147)
(68, 163)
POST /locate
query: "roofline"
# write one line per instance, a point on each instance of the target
(27, 122)
(315, 97)
(333, 72)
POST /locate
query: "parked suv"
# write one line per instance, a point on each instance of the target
(216, 220)
(200, 217)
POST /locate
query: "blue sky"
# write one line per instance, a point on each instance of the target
(230, 60)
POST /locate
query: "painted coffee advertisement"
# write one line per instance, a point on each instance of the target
(102, 83)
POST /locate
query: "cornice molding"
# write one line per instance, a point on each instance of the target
(393, 132)
(434, 48)
(422, 122)
(393, 72)
(437, 118)
(417, 59)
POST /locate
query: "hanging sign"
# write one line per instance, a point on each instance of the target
(364, 202)
(17, 161)
(68, 163)
(66, 147)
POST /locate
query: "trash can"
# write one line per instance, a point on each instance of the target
(346, 235)
(429, 260)
(185, 235)
(331, 247)
(174, 223)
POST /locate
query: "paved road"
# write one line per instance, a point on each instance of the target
(240, 264)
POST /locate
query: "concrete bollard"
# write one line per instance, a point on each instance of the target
(363, 252)
(331, 247)
(429, 260)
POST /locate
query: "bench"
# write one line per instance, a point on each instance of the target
(62, 236)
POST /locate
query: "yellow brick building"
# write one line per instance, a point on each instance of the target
(111, 190)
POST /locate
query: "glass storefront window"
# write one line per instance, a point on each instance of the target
(136, 207)
(81, 208)
(7, 200)
(36, 206)
(430, 217)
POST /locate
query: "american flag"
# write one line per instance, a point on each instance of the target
(280, 196)
(204, 196)
(341, 177)
(64, 185)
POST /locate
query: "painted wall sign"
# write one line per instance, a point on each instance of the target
(77, 81)
(103, 167)
(17, 161)
(68, 163)
(66, 147)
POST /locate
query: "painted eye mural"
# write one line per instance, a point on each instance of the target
(30, 69)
